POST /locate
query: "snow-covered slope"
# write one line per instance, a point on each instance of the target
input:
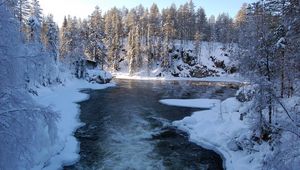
(213, 60)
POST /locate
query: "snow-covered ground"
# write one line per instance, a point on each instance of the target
(233, 78)
(63, 100)
(217, 128)
(213, 59)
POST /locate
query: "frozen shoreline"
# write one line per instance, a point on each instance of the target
(215, 128)
(224, 79)
(63, 99)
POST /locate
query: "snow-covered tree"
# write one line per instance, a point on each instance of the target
(224, 28)
(95, 48)
(131, 51)
(52, 36)
(113, 32)
(168, 29)
(26, 129)
(201, 24)
(34, 22)
(22, 12)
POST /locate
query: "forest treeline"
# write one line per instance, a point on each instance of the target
(146, 35)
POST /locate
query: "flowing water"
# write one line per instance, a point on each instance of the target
(127, 128)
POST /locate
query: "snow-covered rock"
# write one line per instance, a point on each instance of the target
(214, 60)
(98, 76)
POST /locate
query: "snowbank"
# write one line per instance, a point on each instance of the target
(63, 100)
(217, 128)
(229, 79)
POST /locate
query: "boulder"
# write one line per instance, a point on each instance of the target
(98, 76)
(201, 72)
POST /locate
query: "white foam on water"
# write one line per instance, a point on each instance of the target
(129, 147)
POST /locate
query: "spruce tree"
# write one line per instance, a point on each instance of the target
(34, 22)
(95, 48)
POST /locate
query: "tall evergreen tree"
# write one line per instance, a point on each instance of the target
(34, 22)
(113, 32)
(22, 12)
(52, 35)
(168, 30)
(95, 48)
(202, 24)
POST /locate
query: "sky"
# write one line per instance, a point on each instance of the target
(83, 8)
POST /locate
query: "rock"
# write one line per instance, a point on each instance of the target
(165, 134)
(188, 59)
(98, 76)
(220, 64)
(200, 72)
(231, 69)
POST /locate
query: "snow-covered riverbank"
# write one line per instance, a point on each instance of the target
(217, 128)
(227, 79)
(62, 99)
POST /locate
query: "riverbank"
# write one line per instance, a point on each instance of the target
(62, 99)
(217, 129)
(223, 79)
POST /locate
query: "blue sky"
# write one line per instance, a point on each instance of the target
(82, 8)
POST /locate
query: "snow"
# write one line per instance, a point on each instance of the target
(96, 72)
(194, 103)
(217, 128)
(229, 78)
(187, 63)
(63, 100)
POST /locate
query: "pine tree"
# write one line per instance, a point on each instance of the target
(182, 27)
(154, 33)
(224, 28)
(191, 20)
(240, 18)
(52, 35)
(44, 30)
(34, 22)
(168, 30)
(22, 11)
(154, 21)
(130, 52)
(64, 39)
(202, 24)
(95, 49)
(113, 32)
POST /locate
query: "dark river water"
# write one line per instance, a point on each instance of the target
(127, 128)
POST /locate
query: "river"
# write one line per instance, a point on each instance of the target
(127, 128)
